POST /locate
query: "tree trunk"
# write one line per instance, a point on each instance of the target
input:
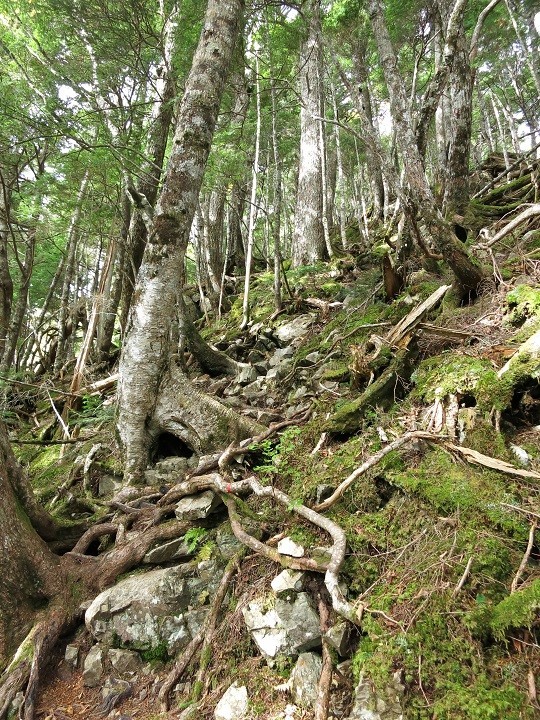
(150, 174)
(145, 357)
(253, 201)
(6, 282)
(467, 273)
(308, 239)
(29, 570)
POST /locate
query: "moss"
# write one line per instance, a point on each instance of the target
(339, 372)
(460, 375)
(519, 610)
(155, 655)
(523, 302)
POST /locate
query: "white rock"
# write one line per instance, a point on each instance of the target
(287, 582)
(287, 546)
(233, 705)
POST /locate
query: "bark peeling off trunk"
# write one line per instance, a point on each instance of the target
(145, 355)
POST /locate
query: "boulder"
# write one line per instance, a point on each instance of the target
(71, 656)
(93, 667)
(378, 705)
(295, 329)
(247, 375)
(125, 662)
(286, 629)
(234, 704)
(173, 550)
(304, 680)
(197, 507)
(150, 610)
(338, 637)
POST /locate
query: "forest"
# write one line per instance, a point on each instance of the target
(270, 359)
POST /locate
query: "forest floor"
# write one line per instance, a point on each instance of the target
(442, 550)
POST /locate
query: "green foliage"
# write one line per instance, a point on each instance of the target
(194, 538)
(155, 655)
(519, 610)
(93, 411)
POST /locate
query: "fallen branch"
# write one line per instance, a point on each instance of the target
(477, 458)
(525, 559)
(464, 577)
(530, 212)
(372, 461)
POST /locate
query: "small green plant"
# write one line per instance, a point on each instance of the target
(194, 537)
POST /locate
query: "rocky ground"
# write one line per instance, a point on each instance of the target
(404, 409)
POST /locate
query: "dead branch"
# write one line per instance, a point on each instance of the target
(525, 559)
(464, 577)
(530, 212)
(472, 456)
(372, 461)
(521, 510)
(404, 327)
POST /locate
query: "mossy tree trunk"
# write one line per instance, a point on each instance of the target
(29, 571)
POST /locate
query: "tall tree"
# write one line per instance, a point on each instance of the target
(154, 394)
(308, 238)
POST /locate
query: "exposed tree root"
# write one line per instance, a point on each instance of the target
(372, 461)
(325, 681)
(204, 636)
(24, 672)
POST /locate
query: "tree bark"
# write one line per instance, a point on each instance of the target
(417, 190)
(145, 356)
(29, 570)
(308, 237)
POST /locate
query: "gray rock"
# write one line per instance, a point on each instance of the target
(247, 375)
(125, 661)
(234, 704)
(324, 492)
(304, 680)
(71, 656)
(227, 542)
(295, 329)
(113, 687)
(313, 357)
(279, 371)
(287, 629)
(338, 637)
(300, 392)
(383, 705)
(197, 507)
(287, 546)
(280, 355)
(173, 550)
(93, 667)
(149, 610)
(288, 583)
(108, 485)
